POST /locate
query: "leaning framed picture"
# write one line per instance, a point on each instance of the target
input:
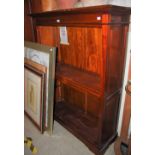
(34, 94)
(41, 55)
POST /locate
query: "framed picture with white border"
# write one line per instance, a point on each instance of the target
(34, 94)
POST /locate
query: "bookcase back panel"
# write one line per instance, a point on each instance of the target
(84, 49)
(73, 97)
(93, 105)
(93, 47)
(86, 102)
(71, 54)
(47, 35)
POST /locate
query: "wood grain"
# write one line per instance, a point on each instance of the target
(36, 6)
(47, 35)
(85, 43)
(28, 26)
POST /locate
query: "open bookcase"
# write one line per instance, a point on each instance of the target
(89, 69)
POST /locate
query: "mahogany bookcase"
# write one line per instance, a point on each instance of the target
(89, 70)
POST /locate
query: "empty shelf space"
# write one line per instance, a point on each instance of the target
(78, 78)
(76, 120)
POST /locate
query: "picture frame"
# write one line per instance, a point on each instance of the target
(46, 56)
(35, 94)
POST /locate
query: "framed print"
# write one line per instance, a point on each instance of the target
(34, 94)
(45, 56)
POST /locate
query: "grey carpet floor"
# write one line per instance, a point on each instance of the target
(62, 142)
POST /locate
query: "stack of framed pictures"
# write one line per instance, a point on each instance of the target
(39, 77)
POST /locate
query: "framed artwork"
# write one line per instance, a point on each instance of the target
(43, 55)
(34, 94)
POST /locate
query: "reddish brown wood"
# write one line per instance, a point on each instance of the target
(102, 9)
(115, 66)
(28, 29)
(110, 117)
(35, 65)
(47, 35)
(73, 97)
(85, 125)
(93, 49)
(93, 105)
(88, 16)
(82, 80)
(71, 54)
(71, 20)
(36, 6)
(89, 70)
(105, 19)
(85, 43)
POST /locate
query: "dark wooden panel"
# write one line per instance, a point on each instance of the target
(93, 105)
(115, 58)
(110, 117)
(28, 29)
(84, 126)
(88, 103)
(73, 97)
(92, 20)
(36, 6)
(72, 19)
(58, 92)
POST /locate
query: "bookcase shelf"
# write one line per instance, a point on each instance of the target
(75, 119)
(77, 78)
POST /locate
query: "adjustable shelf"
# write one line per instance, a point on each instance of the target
(77, 78)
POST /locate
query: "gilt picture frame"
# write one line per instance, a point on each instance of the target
(34, 95)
